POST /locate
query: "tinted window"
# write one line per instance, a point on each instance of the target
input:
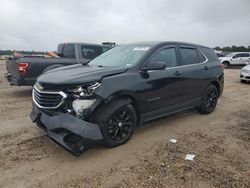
(241, 55)
(189, 56)
(167, 56)
(209, 53)
(201, 56)
(68, 50)
(90, 52)
(104, 49)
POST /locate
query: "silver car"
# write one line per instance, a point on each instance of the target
(235, 58)
(245, 74)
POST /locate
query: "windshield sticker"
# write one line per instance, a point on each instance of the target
(141, 48)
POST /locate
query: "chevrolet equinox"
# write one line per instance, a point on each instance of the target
(80, 106)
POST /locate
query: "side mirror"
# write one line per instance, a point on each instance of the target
(154, 66)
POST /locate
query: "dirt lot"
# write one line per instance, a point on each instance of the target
(220, 141)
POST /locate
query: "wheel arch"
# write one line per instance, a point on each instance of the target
(226, 61)
(216, 84)
(128, 99)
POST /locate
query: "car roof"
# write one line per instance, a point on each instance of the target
(82, 43)
(238, 52)
(154, 43)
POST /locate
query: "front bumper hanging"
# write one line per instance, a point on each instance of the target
(70, 132)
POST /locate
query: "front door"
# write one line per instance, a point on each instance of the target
(163, 89)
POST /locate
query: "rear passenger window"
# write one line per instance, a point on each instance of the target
(189, 56)
(201, 56)
(167, 56)
(241, 55)
(91, 52)
(209, 53)
(68, 51)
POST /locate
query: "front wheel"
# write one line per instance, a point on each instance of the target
(117, 123)
(209, 100)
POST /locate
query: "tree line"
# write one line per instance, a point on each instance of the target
(11, 52)
(233, 49)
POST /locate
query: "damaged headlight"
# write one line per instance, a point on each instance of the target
(80, 105)
(83, 97)
(85, 91)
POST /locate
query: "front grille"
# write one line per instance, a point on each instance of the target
(48, 99)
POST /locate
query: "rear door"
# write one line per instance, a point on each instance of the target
(196, 73)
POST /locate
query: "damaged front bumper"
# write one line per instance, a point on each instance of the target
(72, 133)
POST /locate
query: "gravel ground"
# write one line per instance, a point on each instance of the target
(220, 141)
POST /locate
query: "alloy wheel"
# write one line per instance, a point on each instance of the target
(120, 124)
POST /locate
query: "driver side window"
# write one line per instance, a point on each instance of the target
(236, 56)
(167, 55)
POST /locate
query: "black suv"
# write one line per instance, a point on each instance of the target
(80, 106)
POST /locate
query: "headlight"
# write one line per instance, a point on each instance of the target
(86, 90)
(80, 105)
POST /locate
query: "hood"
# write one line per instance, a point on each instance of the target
(246, 67)
(77, 74)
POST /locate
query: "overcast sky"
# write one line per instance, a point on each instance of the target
(41, 25)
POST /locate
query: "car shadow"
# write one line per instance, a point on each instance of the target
(145, 127)
(235, 67)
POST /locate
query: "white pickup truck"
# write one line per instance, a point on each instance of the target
(236, 58)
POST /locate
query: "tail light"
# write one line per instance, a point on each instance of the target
(222, 66)
(23, 67)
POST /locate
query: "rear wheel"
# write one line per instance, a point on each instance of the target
(117, 123)
(209, 100)
(226, 64)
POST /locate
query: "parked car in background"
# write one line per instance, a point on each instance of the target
(128, 85)
(245, 74)
(236, 58)
(25, 70)
(220, 55)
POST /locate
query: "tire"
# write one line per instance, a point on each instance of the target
(117, 121)
(226, 64)
(209, 100)
(243, 81)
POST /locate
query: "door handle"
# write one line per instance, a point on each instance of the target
(206, 67)
(177, 73)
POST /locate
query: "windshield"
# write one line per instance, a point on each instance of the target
(121, 56)
(230, 55)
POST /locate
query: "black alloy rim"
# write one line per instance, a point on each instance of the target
(120, 124)
(211, 99)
